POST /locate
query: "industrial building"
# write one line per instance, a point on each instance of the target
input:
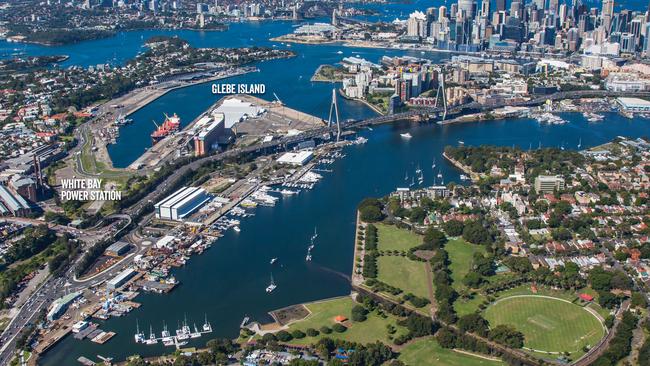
(296, 158)
(117, 249)
(181, 203)
(634, 104)
(236, 110)
(60, 305)
(122, 278)
(210, 129)
(12, 203)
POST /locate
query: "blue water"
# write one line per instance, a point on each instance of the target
(227, 282)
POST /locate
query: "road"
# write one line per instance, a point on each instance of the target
(51, 289)
(55, 287)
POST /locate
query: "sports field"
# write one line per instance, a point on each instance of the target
(390, 237)
(548, 324)
(427, 352)
(405, 274)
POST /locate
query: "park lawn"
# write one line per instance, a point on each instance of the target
(464, 307)
(403, 273)
(390, 237)
(427, 351)
(323, 313)
(548, 324)
(460, 258)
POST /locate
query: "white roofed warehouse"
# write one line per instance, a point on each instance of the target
(181, 203)
(634, 104)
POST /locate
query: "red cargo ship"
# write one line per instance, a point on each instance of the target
(171, 125)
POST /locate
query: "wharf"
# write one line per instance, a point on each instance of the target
(162, 150)
(230, 205)
(103, 337)
(50, 341)
(86, 332)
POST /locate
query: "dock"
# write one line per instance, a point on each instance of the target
(103, 337)
(86, 362)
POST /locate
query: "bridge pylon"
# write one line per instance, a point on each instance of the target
(334, 109)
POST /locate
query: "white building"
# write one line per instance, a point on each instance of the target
(297, 159)
(181, 203)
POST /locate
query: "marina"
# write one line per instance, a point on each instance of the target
(329, 202)
(180, 338)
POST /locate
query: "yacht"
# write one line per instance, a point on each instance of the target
(340, 52)
(139, 336)
(406, 135)
(439, 175)
(152, 337)
(288, 192)
(196, 333)
(463, 177)
(580, 143)
(236, 228)
(433, 165)
(273, 260)
(207, 327)
(313, 237)
(272, 286)
(167, 338)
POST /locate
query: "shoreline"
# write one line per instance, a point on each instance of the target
(363, 101)
(147, 100)
(474, 176)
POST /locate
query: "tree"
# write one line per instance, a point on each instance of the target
(474, 323)
(417, 215)
(222, 345)
(453, 227)
(507, 336)
(419, 325)
(298, 334)
(639, 301)
(473, 280)
(446, 338)
(600, 279)
(359, 313)
(370, 214)
(482, 265)
(269, 337)
(433, 239)
(607, 299)
(519, 264)
(475, 233)
(136, 360)
(339, 328)
(284, 336)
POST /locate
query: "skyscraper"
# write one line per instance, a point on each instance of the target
(501, 5)
(468, 7)
(485, 9)
(606, 15)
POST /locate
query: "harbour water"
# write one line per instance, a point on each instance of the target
(228, 281)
